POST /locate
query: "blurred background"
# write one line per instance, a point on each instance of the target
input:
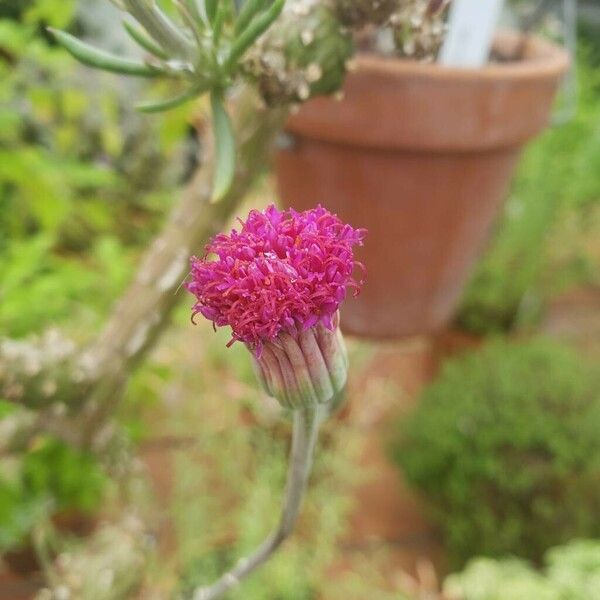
(465, 463)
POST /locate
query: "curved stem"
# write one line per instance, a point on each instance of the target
(306, 430)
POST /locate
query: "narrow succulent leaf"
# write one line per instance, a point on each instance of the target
(256, 28)
(211, 9)
(225, 148)
(138, 35)
(202, 10)
(249, 10)
(99, 59)
(160, 27)
(219, 21)
(194, 9)
(168, 104)
(189, 20)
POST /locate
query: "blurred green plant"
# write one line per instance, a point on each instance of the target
(48, 480)
(83, 187)
(82, 181)
(218, 533)
(559, 176)
(53, 287)
(505, 446)
(571, 572)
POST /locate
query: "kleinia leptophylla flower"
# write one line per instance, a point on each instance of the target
(278, 283)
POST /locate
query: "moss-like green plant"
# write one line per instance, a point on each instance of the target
(571, 572)
(505, 446)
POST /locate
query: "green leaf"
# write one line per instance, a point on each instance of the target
(248, 11)
(211, 9)
(99, 59)
(218, 22)
(192, 19)
(194, 9)
(162, 105)
(225, 148)
(202, 12)
(138, 35)
(256, 28)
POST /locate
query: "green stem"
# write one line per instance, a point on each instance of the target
(306, 430)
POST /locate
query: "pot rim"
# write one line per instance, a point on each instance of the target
(498, 106)
(542, 59)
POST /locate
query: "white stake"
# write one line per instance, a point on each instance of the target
(472, 24)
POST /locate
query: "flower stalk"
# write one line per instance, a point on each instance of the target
(304, 439)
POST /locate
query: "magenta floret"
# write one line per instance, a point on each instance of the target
(283, 271)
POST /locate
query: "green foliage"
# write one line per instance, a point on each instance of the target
(19, 513)
(225, 150)
(73, 480)
(82, 180)
(51, 11)
(505, 446)
(220, 34)
(52, 478)
(571, 572)
(508, 579)
(83, 187)
(41, 286)
(559, 175)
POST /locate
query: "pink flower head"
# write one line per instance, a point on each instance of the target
(283, 272)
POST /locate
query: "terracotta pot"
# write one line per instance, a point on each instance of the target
(421, 155)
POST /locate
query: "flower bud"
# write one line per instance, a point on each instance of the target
(304, 370)
(278, 284)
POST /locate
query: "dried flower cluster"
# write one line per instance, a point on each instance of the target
(306, 52)
(419, 28)
(303, 55)
(358, 13)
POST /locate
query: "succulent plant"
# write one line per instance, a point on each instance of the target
(203, 50)
(303, 56)
(209, 45)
